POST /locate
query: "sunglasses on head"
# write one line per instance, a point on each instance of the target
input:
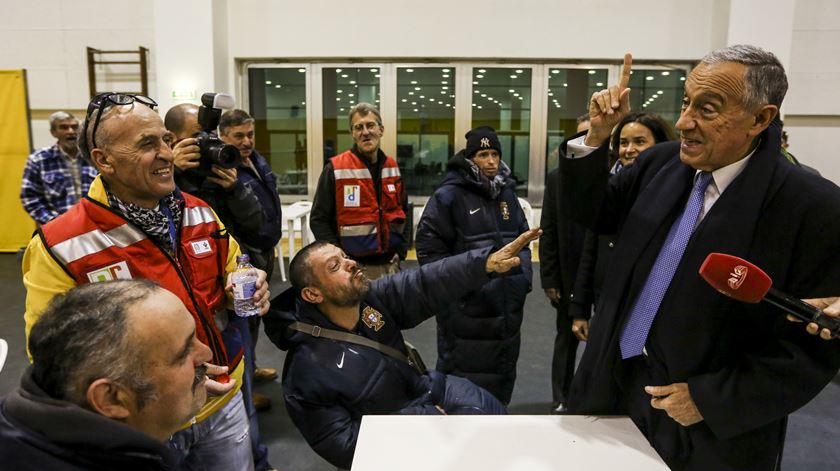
(102, 102)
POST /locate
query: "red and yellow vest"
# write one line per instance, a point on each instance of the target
(100, 245)
(366, 225)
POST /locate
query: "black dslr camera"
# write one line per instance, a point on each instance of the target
(213, 151)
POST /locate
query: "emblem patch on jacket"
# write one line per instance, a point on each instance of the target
(352, 196)
(117, 271)
(503, 207)
(200, 247)
(372, 318)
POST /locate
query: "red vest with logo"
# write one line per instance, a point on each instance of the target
(366, 224)
(92, 243)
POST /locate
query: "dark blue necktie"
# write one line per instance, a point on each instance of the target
(638, 324)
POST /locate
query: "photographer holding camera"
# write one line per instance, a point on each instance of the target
(241, 188)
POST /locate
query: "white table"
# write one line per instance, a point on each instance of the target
(502, 443)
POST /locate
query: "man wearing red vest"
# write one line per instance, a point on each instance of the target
(360, 203)
(134, 223)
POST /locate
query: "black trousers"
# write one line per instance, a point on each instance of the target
(565, 349)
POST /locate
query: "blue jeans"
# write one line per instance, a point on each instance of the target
(221, 442)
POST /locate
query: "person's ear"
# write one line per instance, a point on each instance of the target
(109, 399)
(102, 160)
(763, 118)
(312, 295)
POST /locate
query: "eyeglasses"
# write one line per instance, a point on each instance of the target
(370, 126)
(102, 101)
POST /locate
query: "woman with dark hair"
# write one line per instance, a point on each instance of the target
(634, 134)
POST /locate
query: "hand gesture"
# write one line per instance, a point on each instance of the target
(218, 388)
(508, 256)
(675, 399)
(830, 306)
(186, 153)
(225, 177)
(607, 107)
(580, 327)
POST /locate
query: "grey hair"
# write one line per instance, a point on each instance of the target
(363, 109)
(84, 335)
(765, 81)
(59, 116)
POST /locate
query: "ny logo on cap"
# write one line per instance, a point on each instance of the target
(485, 142)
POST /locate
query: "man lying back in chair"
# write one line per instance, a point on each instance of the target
(346, 352)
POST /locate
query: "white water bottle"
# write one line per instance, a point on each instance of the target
(244, 281)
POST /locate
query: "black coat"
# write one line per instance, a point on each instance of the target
(561, 242)
(329, 385)
(38, 432)
(746, 366)
(478, 335)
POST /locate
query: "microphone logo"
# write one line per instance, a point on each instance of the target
(737, 277)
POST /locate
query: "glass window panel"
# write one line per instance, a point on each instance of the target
(425, 126)
(278, 105)
(344, 87)
(502, 99)
(658, 91)
(569, 91)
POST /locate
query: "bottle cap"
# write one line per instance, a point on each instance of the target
(244, 258)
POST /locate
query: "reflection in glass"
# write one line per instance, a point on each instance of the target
(425, 126)
(502, 99)
(278, 105)
(343, 88)
(658, 91)
(569, 91)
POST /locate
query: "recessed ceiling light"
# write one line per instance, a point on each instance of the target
(481, 71)
(479, 76)
(446, 70)
(344, 75)
(591, 72)
(475, 83)
(513, 76)
(268, 82)
(301, 70)
(414, 82)
(649, 77)
(277, 86)
(666, 73)
(408, 70)
(599, 84)
(518, 71)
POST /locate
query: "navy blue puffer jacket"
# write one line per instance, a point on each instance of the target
(478, 335)
(328, 385)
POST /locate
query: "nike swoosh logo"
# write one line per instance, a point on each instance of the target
(341, 363)
(473, 211)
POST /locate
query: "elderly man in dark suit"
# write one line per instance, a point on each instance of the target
(708, 380)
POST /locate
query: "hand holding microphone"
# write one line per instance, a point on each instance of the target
(743, 281)
(830, 306)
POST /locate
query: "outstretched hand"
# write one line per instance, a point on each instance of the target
(508, 256)
(609, 106)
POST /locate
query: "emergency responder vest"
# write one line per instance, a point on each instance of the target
(370, 220)
(100, 245)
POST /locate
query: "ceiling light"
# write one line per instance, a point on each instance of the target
(414, 82)
(374, 70)
(277, 86)
(518, 71)
(404, 100)
(591, 72)
(555, 71)
(599, 84)
(301, 70)
(446, 70)
(513, 76)
(408, 70)
(649, 77)
(268, 82)
(417, 88)
(481, 71)
(344, 75)
(475, 83)
(666, 73)
(479, 76)
(445, 75)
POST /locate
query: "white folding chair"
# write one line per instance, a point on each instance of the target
(529, 216)
(296, 219)
(4, 349)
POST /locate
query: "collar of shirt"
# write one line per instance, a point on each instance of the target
(721, 179)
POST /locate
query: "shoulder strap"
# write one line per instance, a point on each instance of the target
(316, 331)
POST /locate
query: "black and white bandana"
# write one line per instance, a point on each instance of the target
(151, 221)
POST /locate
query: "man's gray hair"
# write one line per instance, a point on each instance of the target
(232, 119)
(363, 109)
(59, 116)
(765, 81)
(84, 335)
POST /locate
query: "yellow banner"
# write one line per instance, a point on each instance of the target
(14, 149)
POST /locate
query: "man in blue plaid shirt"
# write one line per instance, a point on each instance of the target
(56, 177)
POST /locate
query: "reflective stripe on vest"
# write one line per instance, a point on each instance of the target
(388, 172)
(198, 215)
(352, 173)
(96, 241)
(359, 230)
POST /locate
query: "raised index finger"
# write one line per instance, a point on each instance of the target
(524, 239)
(625, 71)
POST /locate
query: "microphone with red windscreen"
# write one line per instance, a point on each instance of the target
(743, 281)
